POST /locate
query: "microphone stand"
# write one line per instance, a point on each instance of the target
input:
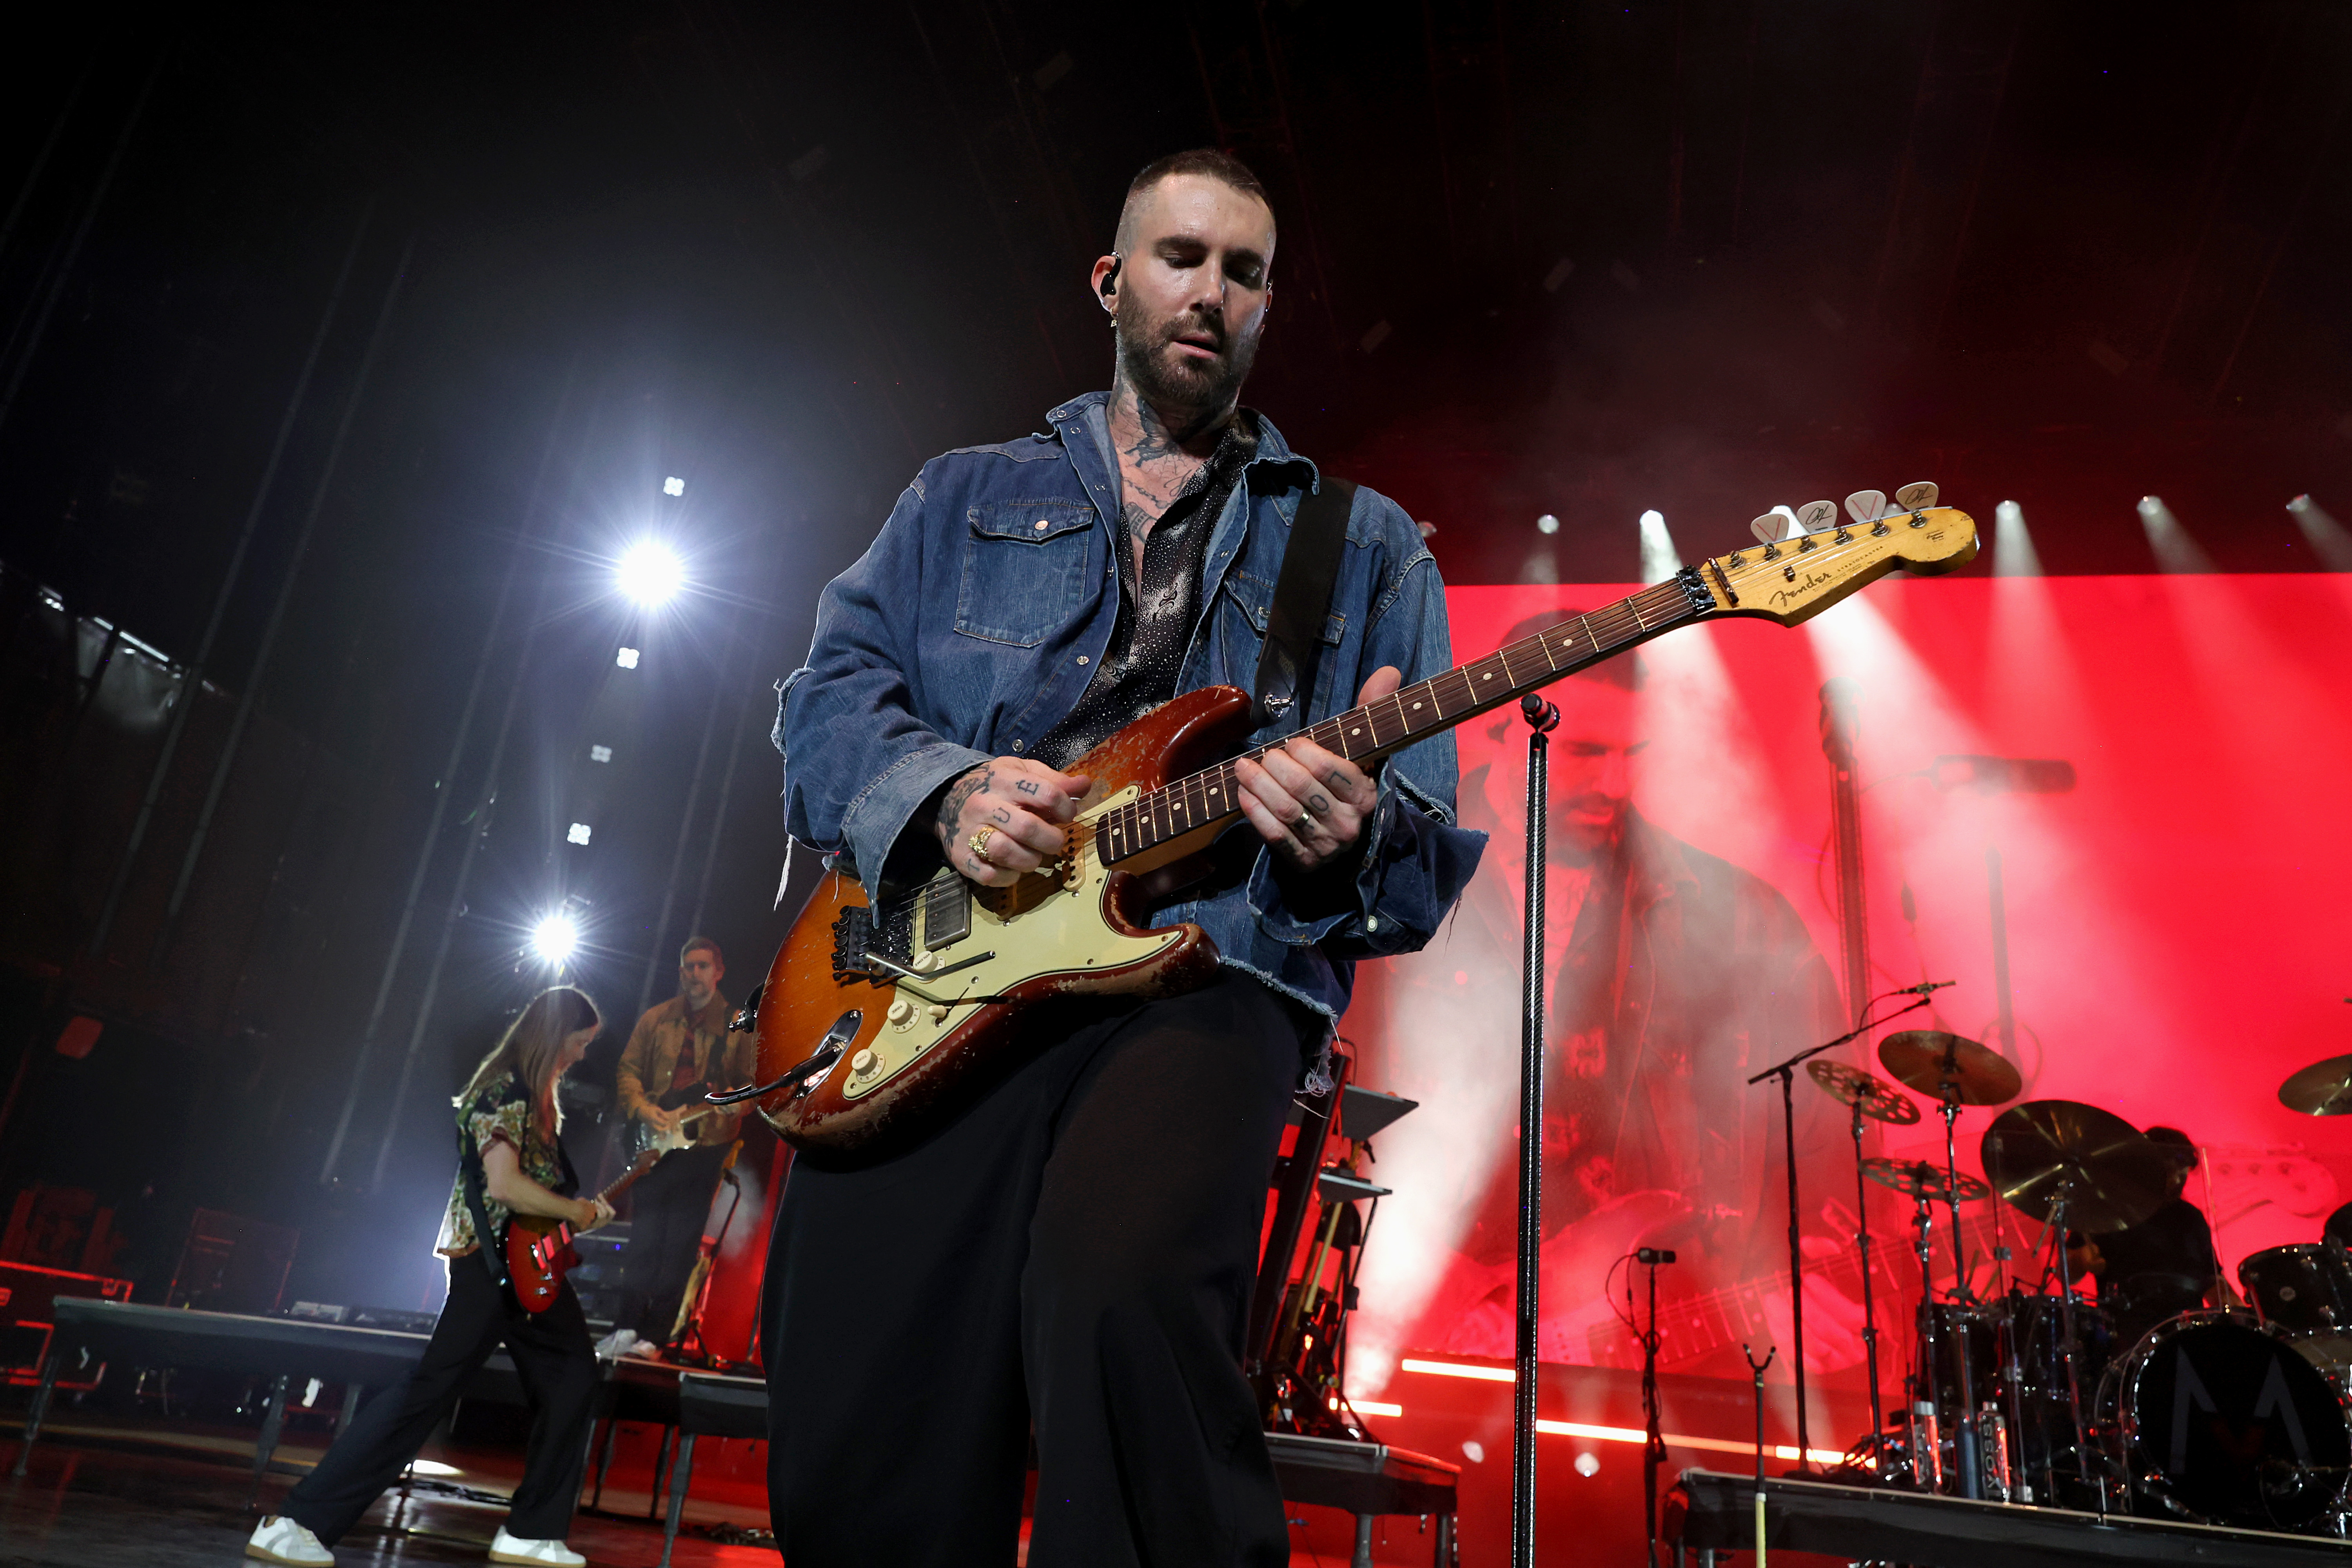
(1787, 1073)
(1653, 1441)
(1541, 718)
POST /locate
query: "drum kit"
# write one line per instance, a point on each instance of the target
(2240, 1415)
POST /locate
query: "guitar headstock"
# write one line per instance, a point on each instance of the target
(1809, 558)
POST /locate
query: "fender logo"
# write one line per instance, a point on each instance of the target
(1801, 588)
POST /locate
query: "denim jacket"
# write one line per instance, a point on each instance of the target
(974, 620)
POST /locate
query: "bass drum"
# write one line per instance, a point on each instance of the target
(2220, 1420)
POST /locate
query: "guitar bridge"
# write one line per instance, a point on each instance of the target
(855, 935)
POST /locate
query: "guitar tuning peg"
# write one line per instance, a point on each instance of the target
(1866, 506)
(1815, 516)
(1917, 498)
(1770, 528)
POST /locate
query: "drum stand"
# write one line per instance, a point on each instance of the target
(1869, 1309)
(1965, 1452)
(2074, 1382)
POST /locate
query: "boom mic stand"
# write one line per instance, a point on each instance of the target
(1787, 1073)
(1542, 719)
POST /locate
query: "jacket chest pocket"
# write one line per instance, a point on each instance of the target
(1028, 567)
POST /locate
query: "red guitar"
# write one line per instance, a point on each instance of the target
(539, 1250)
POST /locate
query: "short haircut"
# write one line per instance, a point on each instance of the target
(705, 944)
(1215, 163)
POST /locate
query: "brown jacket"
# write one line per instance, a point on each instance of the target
(650, 1059)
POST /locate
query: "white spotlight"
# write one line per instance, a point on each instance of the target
(2013, 554)
(553, 939)
(650, 573)
(2173, 549)
(2328, 539)
(578, 833)
(673, 486)
(1546, 523)
(626, 658)
(1659, 558)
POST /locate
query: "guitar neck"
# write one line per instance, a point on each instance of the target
(1417, 712)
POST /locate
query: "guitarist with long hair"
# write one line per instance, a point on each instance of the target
(1073, 1254)
(510, 1165)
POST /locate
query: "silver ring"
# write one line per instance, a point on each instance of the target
(1306, 820)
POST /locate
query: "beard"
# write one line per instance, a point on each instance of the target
(1168, 379)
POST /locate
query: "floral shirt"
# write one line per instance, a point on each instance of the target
(501, 1114)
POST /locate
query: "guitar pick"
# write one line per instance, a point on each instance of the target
(1815, 516)
(1866, 506)
(1768, 528)
(1917, 498)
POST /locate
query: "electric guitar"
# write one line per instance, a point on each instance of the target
(873, 1023)
(539, 1249)
(641, 1137)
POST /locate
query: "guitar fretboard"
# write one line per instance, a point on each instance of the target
(1415, 711)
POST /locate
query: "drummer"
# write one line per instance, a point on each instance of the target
(2165, 1265)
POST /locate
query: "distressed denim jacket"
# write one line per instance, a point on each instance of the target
(974, 620)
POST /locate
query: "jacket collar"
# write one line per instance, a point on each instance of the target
(1089, 413)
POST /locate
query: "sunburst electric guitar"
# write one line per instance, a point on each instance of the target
(876, 1022)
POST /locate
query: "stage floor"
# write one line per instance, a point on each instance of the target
(93, 1495)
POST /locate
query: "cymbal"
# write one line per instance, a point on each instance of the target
(1929, 1060)
(2323, 1088)
(1919, 1179)
(1874, 1097)
(2108, 1174)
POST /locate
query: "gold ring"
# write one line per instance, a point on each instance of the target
(1306, 820)
(979, 842)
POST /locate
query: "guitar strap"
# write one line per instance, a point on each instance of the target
(491, 1245)
(1302, 600)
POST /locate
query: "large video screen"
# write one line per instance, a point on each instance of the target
(2160, 929)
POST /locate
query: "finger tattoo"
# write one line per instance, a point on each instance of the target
(1026, 787)
(1317, 805)
(1001, 814)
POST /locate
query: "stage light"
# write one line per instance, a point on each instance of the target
(2013, 549)
(599, 753)
(650, 573)
(554, 940)
(673, 486)
(434, 1467)
(626, 658)
(2326, 536)
(1546, 523)
(1588, 1464)
(2174, 550)
(577, 832)
(1659, 560)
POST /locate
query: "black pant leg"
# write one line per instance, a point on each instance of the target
(898, 1425)
(387, 1433)
(557, 1365)
(666, 1217)
(1143, 1253)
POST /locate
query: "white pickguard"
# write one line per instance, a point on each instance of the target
(1065, 934)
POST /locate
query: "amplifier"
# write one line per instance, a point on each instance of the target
(25, 1292)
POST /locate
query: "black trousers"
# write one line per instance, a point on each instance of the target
(667, 1209)
(557, 1368)
(1075, 1255)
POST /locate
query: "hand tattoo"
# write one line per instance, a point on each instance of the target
(1026, 787)
(1317, 805)
(1335, 779)
(951, 803)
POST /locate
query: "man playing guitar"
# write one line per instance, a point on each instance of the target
(680, 1049)
(1071, 1255)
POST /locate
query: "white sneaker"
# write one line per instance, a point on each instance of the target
(278, 1539)
(616, 1343)
(505, 1548)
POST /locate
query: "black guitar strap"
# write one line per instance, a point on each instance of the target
(1302, 601)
